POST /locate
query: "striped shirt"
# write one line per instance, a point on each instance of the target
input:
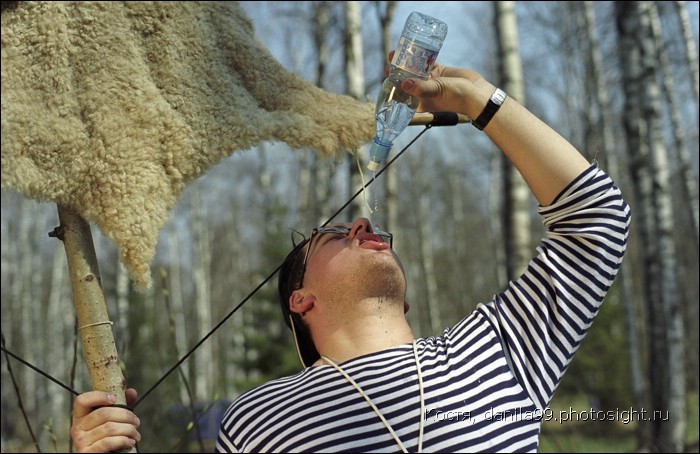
(487, 381)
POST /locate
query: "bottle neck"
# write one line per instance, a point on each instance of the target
(378, 152)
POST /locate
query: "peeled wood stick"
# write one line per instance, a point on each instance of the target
(95, 328)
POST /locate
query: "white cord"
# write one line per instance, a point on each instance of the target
(376, 410)
(422, 397)
(296, 342)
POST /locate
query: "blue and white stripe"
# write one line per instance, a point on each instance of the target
(487, 380)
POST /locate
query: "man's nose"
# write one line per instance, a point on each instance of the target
(360, 225)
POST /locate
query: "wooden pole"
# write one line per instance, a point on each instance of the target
(95, 328)
(425, 118)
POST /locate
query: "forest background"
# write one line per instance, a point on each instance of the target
(442, 199)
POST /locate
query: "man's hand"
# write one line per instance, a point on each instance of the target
(449, 89)
(98, 426)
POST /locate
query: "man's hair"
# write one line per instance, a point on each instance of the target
(290, 279)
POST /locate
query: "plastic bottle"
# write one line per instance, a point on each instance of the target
(415, 55)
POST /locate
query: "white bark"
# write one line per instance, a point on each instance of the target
(427, 260)
(389, 220)
(516, 213)
(175, 289)
(691, 52)
(27, 307)
(61, 318)
(672, 433)
(610, 157)
(202, 247)
(689, 184)
(649, 169)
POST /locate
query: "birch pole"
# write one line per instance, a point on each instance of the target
(95, 328)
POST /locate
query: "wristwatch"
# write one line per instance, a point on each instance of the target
(490, 110)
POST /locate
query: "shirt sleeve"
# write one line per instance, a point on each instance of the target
(543, 315)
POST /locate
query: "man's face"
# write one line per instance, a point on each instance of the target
(353, 260)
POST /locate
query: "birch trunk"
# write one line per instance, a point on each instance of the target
(649, 169)
(691, 52)
(313, 180)
(39, 309)
(57, 332)
(391, 179)
(671, 432)
(22, 291)
(609, 159)
(628, 22)
(174, 289)
(354, 74)
(496, 222)
(203, 358)
(689, 185)
(516, 216)
(122, 296)
(427, 261)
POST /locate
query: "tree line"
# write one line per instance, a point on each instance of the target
(618, 79)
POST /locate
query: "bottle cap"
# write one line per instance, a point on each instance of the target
(377, 153)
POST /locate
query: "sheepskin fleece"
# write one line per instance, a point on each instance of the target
(112, 108)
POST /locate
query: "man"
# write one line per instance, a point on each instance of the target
(485, 383)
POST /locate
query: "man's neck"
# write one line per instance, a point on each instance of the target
(362, 332)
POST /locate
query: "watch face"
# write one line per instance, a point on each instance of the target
(498, 97)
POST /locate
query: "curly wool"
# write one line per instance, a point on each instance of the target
(111, 108)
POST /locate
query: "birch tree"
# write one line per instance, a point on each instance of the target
(516, 215)
(201, 274)
(649, 170)
(23, 298)
(609, 159)
(426, 238)
(420, 255)
(174, 287)
(681, 172)
(386, 18)
(682, 153)
(691, 52)
(60, 320)
(323, 22)
(690, 180)
(354, 74)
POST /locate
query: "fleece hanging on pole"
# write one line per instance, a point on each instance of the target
(112, 108)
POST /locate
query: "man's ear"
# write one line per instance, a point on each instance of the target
(300, 303)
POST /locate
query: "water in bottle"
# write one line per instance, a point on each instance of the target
(415, 55)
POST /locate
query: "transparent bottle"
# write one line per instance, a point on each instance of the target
(415, 55)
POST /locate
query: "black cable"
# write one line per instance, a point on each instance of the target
(36, 369)
(19, 397)
(267, 279)
(440, 119)
(378, 173)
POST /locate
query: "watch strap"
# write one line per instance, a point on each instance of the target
(492, 106)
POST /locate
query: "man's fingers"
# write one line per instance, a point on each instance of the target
(131, 396)
(100, 426)
(85, 403)
(105, 429)
(111, 444)
(95, 441)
